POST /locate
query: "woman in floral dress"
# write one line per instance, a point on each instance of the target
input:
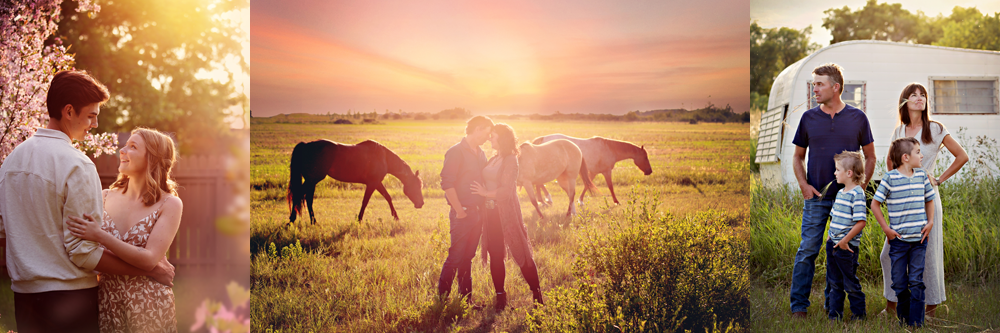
(141, 215)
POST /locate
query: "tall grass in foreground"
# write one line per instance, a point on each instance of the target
(971, 246)
(655, 272)
(971, 233)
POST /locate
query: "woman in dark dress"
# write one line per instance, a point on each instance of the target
(503, 228)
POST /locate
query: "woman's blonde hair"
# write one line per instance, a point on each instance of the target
(160, 158)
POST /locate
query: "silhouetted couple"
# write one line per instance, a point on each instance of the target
(484, 204)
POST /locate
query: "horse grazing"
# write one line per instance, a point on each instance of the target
(601, 155)
(560, 160)
(366, 163)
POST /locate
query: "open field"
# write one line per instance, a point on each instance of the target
(381, 274)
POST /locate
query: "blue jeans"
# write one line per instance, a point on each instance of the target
(815, 213)
(841, 276)
(908, 280)
(464, 241)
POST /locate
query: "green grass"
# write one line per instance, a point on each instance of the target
(967, 310)
(972, 266)
(971, 233)
(381, 275)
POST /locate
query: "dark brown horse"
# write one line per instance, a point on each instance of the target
(601, 155)
(367, 163)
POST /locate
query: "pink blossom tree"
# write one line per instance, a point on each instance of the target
(27, 65)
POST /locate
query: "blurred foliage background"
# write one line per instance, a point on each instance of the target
(176, 66)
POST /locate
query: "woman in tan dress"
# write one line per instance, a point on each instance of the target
(503, 228)
(141, 215)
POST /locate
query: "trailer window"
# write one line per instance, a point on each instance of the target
(964, 95)
(854, 94)
(771, 134)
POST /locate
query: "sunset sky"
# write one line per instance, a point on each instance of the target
(509, 57)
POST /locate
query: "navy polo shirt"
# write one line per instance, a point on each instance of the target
(824, 137)
(462, 167)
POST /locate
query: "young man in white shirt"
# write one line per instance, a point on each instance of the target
(42, 181)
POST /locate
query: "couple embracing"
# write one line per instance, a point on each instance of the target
(61, 229)
(483, 198)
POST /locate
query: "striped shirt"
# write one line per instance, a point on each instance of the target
(904, 197)
(848, 208)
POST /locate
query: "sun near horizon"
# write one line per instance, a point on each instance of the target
(497, 58)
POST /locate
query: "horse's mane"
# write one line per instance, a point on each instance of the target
(618, 145)
(396, 165)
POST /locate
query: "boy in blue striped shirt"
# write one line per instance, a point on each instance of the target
(848, 216)
(909, 197)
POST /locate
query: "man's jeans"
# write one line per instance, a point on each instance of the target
(908, 279)
(57, 311)
(464, 241)
(841, 276)
(815, 213)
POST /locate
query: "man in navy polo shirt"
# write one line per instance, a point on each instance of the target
(826, 130)
(463, 165)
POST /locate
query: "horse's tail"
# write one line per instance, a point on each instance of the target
(295, 193)
(588, 182)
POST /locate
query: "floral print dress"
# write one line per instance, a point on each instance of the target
(135, 303)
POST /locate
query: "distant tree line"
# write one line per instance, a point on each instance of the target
(708, 114)
(773, 49)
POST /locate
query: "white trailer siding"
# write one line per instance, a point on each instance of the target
(882, 69)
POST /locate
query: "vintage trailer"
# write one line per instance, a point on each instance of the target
(962, 93)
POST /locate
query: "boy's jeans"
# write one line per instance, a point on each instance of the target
(815, 213)
(908, 279)
(841, 276)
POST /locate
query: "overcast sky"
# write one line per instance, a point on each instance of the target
(800, 14)
(500, 57)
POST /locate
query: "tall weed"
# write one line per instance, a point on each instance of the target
(655, 273)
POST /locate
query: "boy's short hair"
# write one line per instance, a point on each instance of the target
(854, 161)
(899, 148)
(76, 88)
(833, 71)
(477, 122)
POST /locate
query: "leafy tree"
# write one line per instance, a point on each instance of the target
(771, 50)
(148, 53)
(968, 28)
(758, 102)
(965, 27)
(874, 21)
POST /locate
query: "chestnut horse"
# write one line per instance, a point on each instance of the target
(560, 160)
(367, 163)
(601, 155)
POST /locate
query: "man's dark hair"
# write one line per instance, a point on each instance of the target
(477, 122)
(834, 72)
(76, 88)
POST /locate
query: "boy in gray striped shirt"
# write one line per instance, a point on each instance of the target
(909, 197)
(848, 216)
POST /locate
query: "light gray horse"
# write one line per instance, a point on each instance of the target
(560, 160)
(601, 155)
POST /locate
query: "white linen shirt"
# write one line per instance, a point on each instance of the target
(43, 181)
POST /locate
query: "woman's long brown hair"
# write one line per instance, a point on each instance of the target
(904, 111)
(507, 141)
